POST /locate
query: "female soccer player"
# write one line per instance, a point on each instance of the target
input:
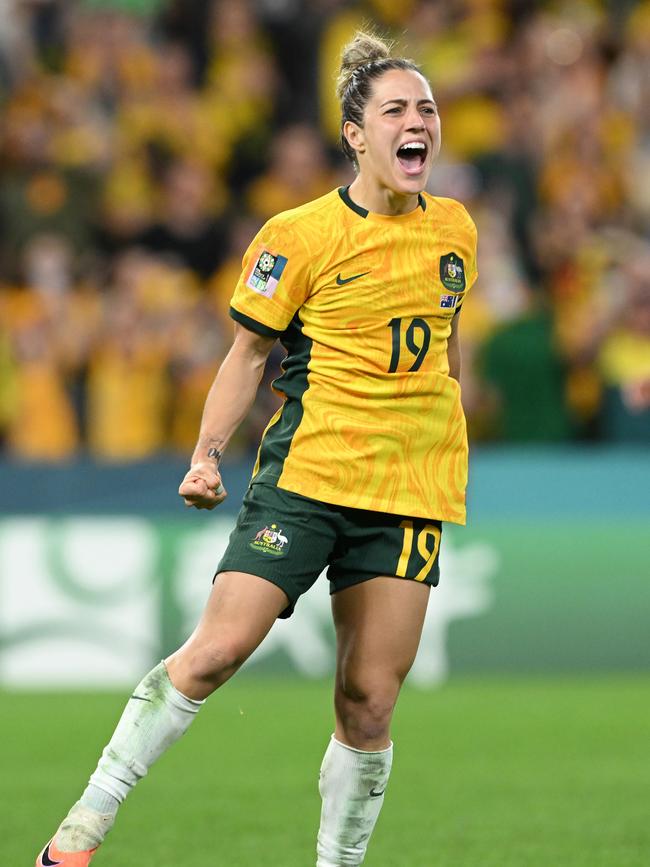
(356, 472)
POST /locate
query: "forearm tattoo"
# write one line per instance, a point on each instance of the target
(215, 453)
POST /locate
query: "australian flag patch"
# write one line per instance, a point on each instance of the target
(449, 301)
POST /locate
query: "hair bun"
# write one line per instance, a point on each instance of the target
(363, 48)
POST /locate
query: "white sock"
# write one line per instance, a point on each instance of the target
(352, 785)
(83, 828)
(154, 718)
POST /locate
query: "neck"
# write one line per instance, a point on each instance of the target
(380, 200)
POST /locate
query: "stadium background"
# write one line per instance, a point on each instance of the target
(142, 144)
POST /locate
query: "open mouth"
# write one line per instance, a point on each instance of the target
(411, 157)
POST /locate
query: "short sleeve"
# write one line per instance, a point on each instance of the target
(275, 280)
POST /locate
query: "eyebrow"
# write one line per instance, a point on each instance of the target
(402, 101)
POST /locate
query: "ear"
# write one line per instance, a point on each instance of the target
(355, 136)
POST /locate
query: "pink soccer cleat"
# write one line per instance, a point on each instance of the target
(51, 857)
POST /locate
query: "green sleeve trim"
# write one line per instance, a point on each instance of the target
(253, 324)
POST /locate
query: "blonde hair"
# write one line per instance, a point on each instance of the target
(366, 57)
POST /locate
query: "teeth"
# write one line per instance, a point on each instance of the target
(414, 146)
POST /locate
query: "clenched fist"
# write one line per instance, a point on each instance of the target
(202, 486)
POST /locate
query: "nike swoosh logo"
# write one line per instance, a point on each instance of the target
(46, 861)
(140, 698)
(374, 794)
(343, 280)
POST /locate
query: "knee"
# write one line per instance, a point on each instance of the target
(365, 710)
(210, 662)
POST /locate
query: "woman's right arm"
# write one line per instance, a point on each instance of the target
(228, 402)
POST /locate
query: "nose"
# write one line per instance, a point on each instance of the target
(414, 119)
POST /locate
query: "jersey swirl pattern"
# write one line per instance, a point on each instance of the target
(371, 418)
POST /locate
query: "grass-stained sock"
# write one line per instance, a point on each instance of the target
(352, 786)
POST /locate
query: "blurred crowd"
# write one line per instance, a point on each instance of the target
(142, 144)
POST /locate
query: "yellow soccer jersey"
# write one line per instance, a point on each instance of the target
(363, 304)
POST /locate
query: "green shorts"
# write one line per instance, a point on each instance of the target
(289, 539)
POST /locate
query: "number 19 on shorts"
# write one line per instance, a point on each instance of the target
(426, 541)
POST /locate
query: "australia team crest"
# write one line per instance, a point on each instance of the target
(270, 540)
(452, 272)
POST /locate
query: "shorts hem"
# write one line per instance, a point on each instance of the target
(361, 579)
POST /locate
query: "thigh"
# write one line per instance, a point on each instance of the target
(241, 605)
(240, 611)
(378, 626)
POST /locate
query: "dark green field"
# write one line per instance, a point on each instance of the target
(518, 773)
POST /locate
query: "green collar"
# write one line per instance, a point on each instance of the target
(345, 196)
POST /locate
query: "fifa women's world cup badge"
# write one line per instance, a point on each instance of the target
(270, 540)
(266, 273)
(266, 263)
(452, 272)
